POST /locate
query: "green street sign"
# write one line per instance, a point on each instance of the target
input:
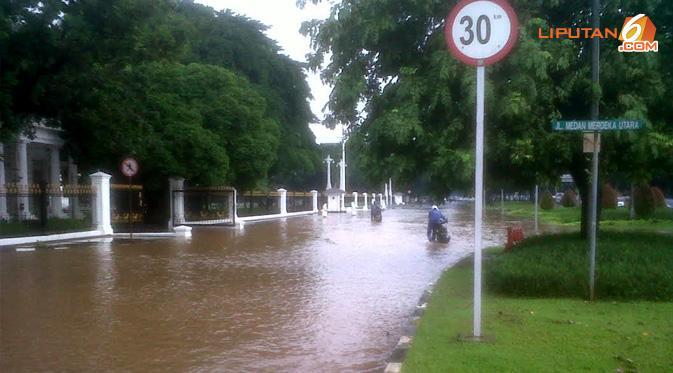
(597, 125)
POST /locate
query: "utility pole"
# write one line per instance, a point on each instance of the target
(595, 74)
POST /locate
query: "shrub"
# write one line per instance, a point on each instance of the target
(659, 199)
(547, 201)
(569, 198)
(608, 197)
(630, 266)
(643, 202)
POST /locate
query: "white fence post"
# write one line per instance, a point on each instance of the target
(366, 202)
(314, 195)
(178, 199)
(382, 201)
(3, 196)
(101, 207)
(355, 199)
(282, 201)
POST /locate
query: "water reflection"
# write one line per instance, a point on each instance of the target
(295, 294)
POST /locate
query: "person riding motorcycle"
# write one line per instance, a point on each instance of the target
(435, 221)
(376, 212)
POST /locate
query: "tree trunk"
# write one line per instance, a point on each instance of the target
(582, 178)
(632, 210)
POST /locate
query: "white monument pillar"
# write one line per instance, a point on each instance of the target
(355, 199)
(282, 201)
(365, 208)
(101, 207)
(342, 175)
(22, 167)
(3, 189)
(314, 196)
(55, 205)
(329, 161)
(178, 200)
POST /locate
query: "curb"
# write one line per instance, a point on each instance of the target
(394, 363)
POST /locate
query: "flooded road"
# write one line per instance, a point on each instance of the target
(301, 294)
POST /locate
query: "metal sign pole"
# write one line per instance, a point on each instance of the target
(480, 33)
(130, 209)
(478, 200)
(502, 203)
(537, 204)
(594, 203)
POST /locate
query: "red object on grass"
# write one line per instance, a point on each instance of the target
(514, 236)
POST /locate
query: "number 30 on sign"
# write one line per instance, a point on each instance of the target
(481, 32)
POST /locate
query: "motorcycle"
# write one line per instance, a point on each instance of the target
(441, 234)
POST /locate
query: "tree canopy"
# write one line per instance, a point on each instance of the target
(390, 59)
(189, 91)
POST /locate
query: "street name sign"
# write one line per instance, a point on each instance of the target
(480, 33)
(597, 125)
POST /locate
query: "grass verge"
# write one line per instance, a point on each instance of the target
(539, 335)
(611, 219)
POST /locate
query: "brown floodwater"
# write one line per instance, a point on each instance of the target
(298, 294)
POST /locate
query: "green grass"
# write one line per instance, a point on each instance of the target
(629, 266)
(611, 219)
(23, 228)
(539, 335)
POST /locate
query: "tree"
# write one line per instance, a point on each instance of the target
(201, 122)
(391, 58)
(239, 44)
(106, 70)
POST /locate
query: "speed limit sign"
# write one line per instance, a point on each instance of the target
(481, 32)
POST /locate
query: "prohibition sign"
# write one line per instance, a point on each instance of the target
(129, 167)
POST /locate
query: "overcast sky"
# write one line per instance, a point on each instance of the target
(284, 19)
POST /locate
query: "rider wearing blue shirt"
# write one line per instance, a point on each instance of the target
(435, 221)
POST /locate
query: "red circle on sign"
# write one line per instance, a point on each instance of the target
(129, 167)
(514, 34)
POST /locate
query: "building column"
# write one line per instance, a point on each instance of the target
(102, 215)
(176, 187)
(282, 201)
(55, 205)
(3, 189)
(314, 196)
(365, 207)
(23, 205)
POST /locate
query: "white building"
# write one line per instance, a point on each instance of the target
(29, 160)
